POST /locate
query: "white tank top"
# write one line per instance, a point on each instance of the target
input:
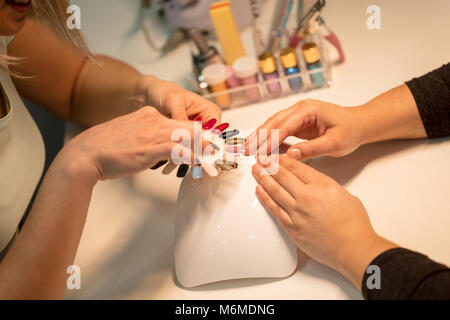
(22, 157)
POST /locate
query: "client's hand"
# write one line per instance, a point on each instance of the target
(330, 130)
(321, 217)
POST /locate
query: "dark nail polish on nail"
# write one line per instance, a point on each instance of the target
(199, 118)
(182, 171)
(229, 134)
(159, 164)
(209, 124)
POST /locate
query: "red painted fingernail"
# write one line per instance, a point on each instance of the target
(221, 128)
(209, 124)
(199, 118)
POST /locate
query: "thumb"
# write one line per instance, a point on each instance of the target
(321, 146)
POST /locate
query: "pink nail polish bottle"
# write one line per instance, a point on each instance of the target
(246, 70)
(270, 74)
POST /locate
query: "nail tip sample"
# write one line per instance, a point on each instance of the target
(182, 171)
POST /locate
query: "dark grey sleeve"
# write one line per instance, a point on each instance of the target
(408, 275)
(432, 95)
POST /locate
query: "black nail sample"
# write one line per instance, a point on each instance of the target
(182, 170)
(160, 164)
(229, 134)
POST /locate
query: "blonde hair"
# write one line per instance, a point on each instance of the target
(54, 14)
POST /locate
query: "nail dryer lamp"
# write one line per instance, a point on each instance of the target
(222, 232)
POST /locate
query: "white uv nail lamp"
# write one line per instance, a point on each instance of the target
(222, 232)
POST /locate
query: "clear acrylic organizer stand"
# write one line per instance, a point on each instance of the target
(239, 98)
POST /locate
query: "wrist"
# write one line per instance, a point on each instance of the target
(146, 91)
(364, 124)
(357, 257)
(75, 167)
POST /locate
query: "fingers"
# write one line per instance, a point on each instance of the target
(175, 107)
(273, 188)
(285, 178)
(322, 146)
(302, 171)
(200, 107)
(277, 212)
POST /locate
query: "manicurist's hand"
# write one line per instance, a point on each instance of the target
(332, 130)
(125, 145)
(328, 128)
(321, 217)
(176, 102)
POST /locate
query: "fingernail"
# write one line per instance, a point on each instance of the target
(221, 128)
(264, 160)
(295, 153)
(235, 141)
(238, 149)
(196, 172)
(169, 168)
(159, 164)
(182, 170)
(229, 134)
(198, 118)
(215, 146)
(209, 124)
(210, 170)
(226, 165)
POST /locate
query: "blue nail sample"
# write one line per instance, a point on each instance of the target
(196, 172)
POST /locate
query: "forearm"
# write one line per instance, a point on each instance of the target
(354, 258)
(409, 275)
(392, 115)
(105, 89)
(35, 267)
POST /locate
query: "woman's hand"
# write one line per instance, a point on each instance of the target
(330, 130)
(176, 102)
(125, 145)
(321, 217)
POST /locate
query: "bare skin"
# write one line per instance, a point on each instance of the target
(308, 204)
(73, 87)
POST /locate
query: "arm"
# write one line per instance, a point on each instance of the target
(332, 226)
(35, 266)
(418, 109)
(90, 91)
(409, 275)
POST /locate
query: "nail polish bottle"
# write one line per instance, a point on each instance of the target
(216, 76)
(246, 70)
(270, 74)
(312, 58)
(290, 65)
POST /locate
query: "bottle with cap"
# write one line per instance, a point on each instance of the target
(216, 76)
(270, 74)
(312, 58)
(290, 65)
(246, 70)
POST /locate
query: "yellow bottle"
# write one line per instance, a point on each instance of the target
(226, 31)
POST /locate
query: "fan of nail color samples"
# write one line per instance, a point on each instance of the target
(219, 139)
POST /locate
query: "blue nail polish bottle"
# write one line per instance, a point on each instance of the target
(290, 65)
(312, 58)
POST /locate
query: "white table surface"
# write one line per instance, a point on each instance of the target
(127, 246)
